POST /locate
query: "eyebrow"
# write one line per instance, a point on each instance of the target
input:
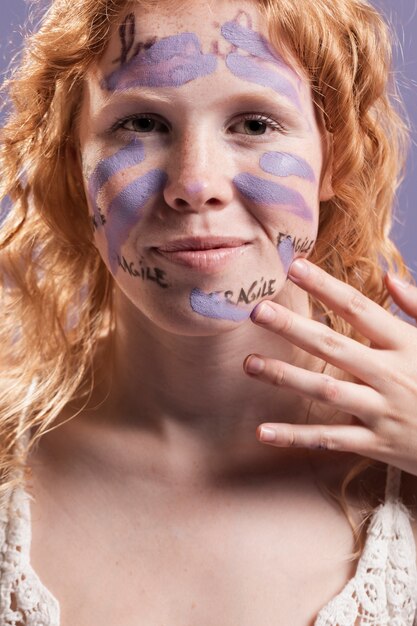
(244, 99)
(254, 99)
(133, 95)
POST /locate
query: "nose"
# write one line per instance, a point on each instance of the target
(197, 175)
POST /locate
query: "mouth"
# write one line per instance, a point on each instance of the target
(202, 253)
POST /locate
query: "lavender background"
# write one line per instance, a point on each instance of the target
(402, 14)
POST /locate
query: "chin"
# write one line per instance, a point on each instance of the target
(181, 319)
(198, 311)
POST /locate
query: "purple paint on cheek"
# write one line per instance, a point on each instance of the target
(252, 42)
(125, 210)
(217, 307)
(266, 192)
(128, 156)
(170, 62)
(250, 69)
(286, 253)
(284, 164)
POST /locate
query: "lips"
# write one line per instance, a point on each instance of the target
(202, 254)
(202, 243)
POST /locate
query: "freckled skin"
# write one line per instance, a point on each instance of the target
(206, 170)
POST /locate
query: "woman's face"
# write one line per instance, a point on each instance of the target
(202, 160)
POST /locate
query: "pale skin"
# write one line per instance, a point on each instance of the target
(171, 437)
(383, 398)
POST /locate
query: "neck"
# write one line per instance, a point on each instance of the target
(189, 394)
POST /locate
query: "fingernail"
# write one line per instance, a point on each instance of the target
(398, 281)
(267, 434)
(263, 313)
(299, 269)
(255, 365)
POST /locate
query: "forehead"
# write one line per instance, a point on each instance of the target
(144, 26)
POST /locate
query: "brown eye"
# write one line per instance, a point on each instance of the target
(254, 127)
(253, 124)
(145, 124)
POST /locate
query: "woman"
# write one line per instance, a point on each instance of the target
(170, 169)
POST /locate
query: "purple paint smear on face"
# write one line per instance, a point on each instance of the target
(249, 68)
(125, 210)
(217, 307)
(284, 164)
(263, 191)
(252, 42)
(170, 62)
(128, 156)
(286, 253)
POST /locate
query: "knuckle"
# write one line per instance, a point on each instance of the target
(355, 304)
(292, 441)
(329, 391)
(330, 343)
(278, 376)
(326, 441)
(392, 418)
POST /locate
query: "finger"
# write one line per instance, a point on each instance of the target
(403, 293)
(343, 438)
(370, 319)
(321, 341)
(359, 400)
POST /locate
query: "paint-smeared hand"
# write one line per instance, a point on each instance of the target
(384, 398)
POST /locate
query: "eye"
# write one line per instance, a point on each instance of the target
(256, 124)
(142, 124)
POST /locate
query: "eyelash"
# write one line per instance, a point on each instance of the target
(264, 118)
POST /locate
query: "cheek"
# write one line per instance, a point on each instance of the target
(117, 199)
(289, 191)
(284, 164)
(288, 209)
(272, 196)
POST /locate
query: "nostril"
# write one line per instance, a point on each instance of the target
(181, 203)
(214, 202)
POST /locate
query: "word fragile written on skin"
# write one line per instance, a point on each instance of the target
(144, 272)
(219, 305)
(258, 289)
(299, 244)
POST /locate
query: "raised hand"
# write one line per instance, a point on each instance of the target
(384, 398)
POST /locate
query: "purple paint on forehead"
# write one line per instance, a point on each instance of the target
(128, 156)
(216, 306)
(169, 62)
(250, 69)
(284, 164)
(252, 42)
(263, 191)
(286, 253)
(125, 211)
